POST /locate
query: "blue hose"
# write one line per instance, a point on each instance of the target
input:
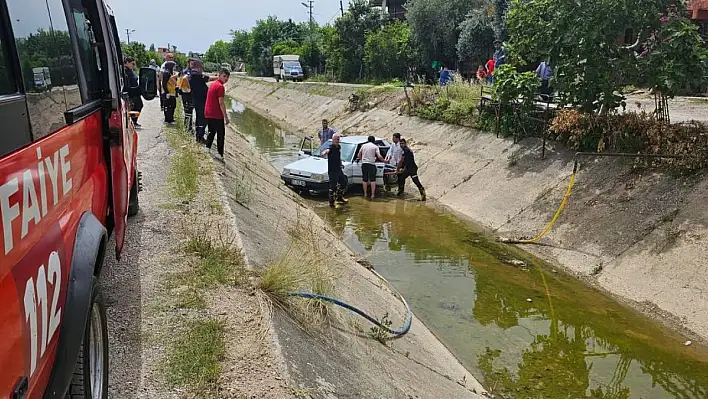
(399, 332)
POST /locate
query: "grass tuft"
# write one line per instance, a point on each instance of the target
(194, 359)
(217, 260)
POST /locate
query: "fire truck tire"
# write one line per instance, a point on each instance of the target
(90, 378)
(133, 202)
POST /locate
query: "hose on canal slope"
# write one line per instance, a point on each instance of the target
(566, 197)
(398, 332)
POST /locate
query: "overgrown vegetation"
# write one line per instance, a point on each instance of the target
(380, 333)
(217, 259)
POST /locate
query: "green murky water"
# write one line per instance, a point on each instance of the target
(526, 332)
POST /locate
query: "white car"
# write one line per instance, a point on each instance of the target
(309, 172)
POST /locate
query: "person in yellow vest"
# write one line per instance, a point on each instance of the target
(187, 101)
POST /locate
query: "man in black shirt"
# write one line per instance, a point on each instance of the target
(132, 88)
(337, 180)
(198, 83)
(407, 167)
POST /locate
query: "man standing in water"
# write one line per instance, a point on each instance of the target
(393, 157)
(325, 133)
(368, 154)
(407, 167)
(337, 181)
(215, 112)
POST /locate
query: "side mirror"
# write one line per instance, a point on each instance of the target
(307, 152)
(148, 83)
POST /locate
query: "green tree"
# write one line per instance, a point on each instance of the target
(264, 35)
(351, 30)
(218, 52)
(476, 37)
(288, 46)
(436, 27)
(582, 44)
(240, 47)
(388, 52)
(152, 48)
(674, 59)
(137, 51)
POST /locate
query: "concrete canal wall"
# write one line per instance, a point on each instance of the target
(640, 234)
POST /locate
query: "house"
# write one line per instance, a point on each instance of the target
(394, 8)
(699, 14)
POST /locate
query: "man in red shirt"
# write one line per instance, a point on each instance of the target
(490, 70)
(215, 113)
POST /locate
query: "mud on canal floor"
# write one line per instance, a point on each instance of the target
(524, 329)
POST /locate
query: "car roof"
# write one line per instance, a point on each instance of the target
(358, 139)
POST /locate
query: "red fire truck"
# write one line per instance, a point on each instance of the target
(68, 180)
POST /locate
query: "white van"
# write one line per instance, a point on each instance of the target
(287, 67)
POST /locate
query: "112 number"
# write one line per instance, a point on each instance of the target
(36, 300)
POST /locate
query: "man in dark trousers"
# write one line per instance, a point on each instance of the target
(169, 87)
(132, 87)
(406, 168)
(337, 181)
(198, 84)
(215, 112)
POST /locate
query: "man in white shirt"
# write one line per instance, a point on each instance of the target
(368, 155)
(393, 157)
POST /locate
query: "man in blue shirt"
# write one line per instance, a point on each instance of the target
(325, 133)
(545, 72)
(499, 54)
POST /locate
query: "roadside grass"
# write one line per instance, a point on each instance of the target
(185, 167)
(216, 261)
(194, 360)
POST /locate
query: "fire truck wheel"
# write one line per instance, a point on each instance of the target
(90, 379)
(133, 202)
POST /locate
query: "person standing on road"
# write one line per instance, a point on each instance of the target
(132, 87)
(407, 167)
(337, 181)
(168, 83)
(161, 79)
(368, 155)
(215, 112)
(198, 83)
(187, 102)
(326, 133)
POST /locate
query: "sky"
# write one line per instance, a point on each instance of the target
(175, 21)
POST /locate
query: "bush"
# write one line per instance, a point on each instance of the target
(633, 133)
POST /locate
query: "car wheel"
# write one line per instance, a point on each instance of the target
(90, 379)
(133, 202)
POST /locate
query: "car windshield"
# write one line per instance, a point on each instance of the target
(291, 64)
(347, 150)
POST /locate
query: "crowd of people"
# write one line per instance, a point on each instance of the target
(399, 156)
(205, 109)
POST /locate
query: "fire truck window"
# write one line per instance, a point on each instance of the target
(40, 50)
(7, 85)
(68, 69)
(88, 51)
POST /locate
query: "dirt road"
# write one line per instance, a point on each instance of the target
(161, 328)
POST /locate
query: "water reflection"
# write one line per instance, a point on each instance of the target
(268, 137)
(528, 333)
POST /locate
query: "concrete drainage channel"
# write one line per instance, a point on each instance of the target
(518, 326)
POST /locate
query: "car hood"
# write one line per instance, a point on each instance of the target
(307, 166)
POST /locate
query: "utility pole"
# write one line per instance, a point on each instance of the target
(309, 6)
(341, 7)
(128, 32)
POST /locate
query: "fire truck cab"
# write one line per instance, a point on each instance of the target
(68, 179)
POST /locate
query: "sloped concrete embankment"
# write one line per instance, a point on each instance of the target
(338, 359)
(638, 233)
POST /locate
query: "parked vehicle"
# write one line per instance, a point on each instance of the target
(226, 65)
(68, 180)
(42, 78)
(287, 67)
(309, 172)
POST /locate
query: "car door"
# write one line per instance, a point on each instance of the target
(381, 166)
(356, 176)
(306, 148)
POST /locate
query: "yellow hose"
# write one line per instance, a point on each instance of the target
(555, 217)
